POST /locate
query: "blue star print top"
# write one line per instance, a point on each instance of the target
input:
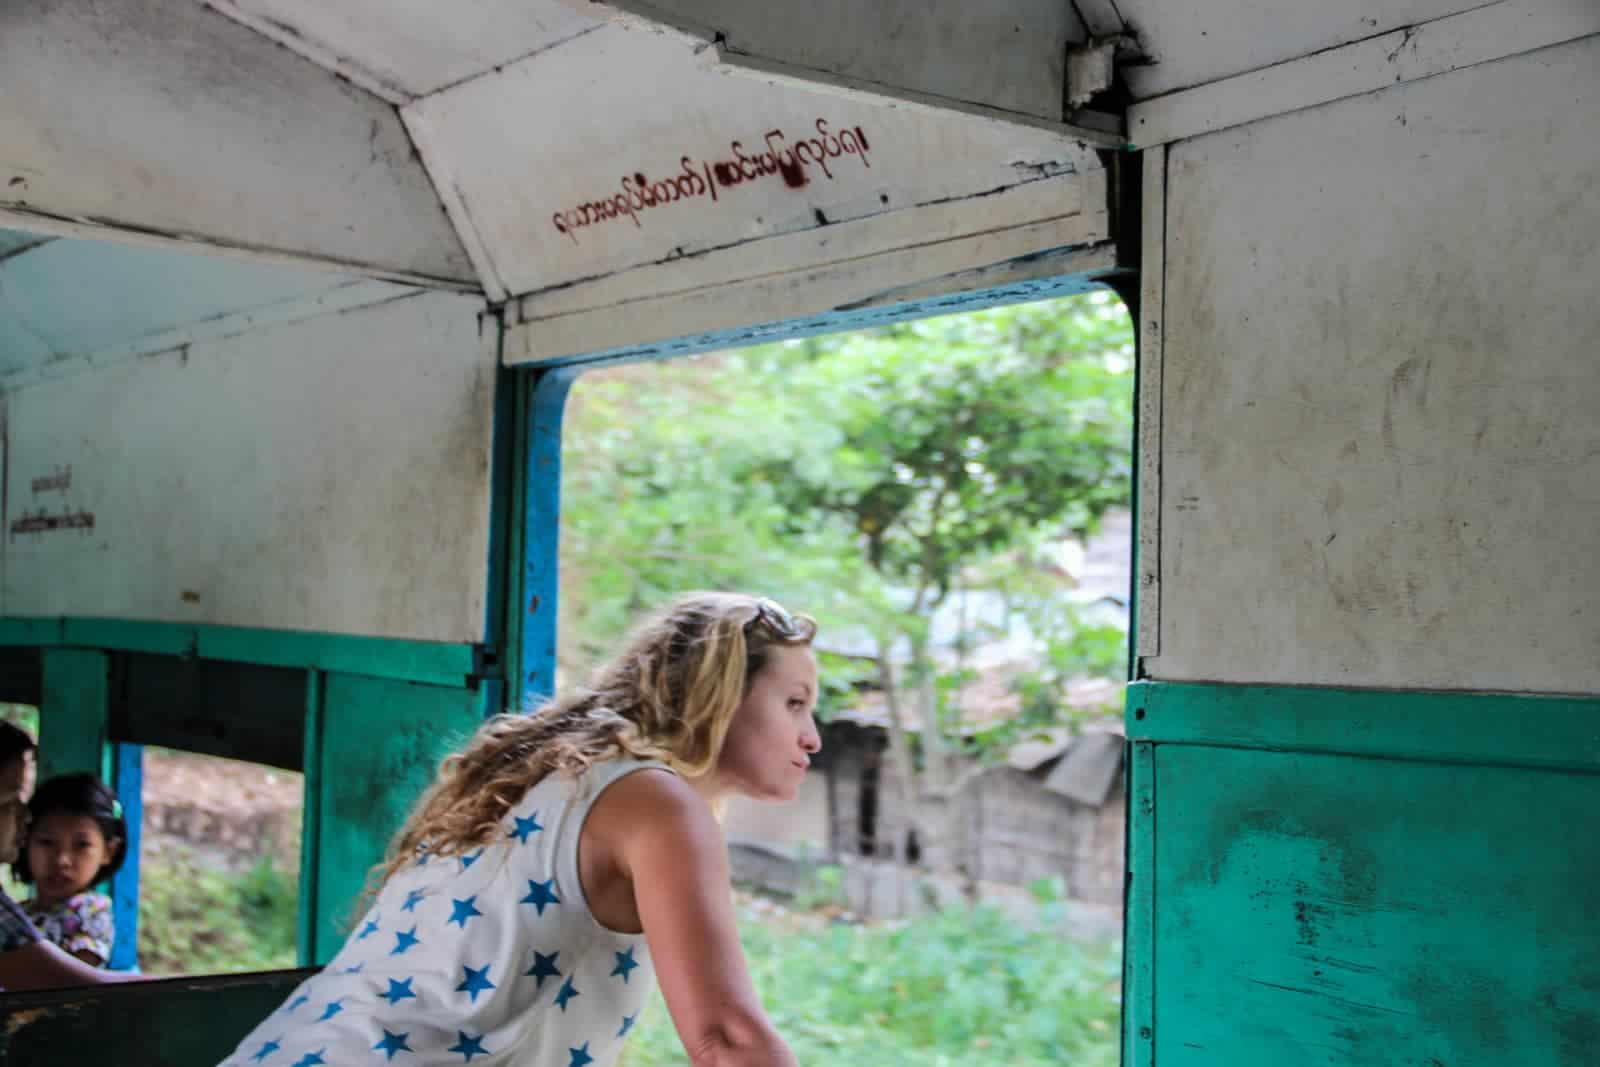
(491, 958)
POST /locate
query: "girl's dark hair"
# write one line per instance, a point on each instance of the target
(79, 794)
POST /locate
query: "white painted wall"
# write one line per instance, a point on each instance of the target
(1380, 454)
(328, 475)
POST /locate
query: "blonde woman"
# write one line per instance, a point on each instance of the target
(564, 859)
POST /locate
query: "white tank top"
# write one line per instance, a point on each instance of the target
(492, 959)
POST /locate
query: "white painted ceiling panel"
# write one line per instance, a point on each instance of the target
(270, 126)
(413, 47)
(14, 242)
(170, 119)
(1201, 41)
(63, 299)
(547, 157)
(1009, 55)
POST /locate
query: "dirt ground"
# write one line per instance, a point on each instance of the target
(230, 812)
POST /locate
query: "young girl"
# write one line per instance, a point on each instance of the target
(76, 840)
(563, 859)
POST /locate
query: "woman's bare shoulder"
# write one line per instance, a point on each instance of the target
(653, 796)
(650, 815)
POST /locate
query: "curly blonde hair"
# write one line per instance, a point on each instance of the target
(670, 695)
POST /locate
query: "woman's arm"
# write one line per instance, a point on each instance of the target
(668, 844)
(42, 965)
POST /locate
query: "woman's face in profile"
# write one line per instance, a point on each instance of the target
(773, 736)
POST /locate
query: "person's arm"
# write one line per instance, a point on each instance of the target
(42, 965)
(670, 847)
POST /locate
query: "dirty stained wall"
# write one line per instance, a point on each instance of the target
(1380, 464)
(1379, 475)
(329, 475)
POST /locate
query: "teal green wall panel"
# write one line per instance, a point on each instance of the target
(1525, 730)
(176, 1022)
(377, 746)
(436, 663)
(1333, 909)
(305, 935)
(32, 633)
(1138, 967)
(73, 712)
(1361, 878)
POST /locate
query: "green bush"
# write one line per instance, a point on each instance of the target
(959, 987)
(196, 920)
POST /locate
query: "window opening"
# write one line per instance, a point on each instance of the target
(904, 485)
(219, 870)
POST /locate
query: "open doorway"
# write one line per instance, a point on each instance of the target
(950, 498)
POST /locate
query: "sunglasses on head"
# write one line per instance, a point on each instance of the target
(774, 618)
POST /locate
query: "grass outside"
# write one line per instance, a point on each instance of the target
(198, 920)
(959, 987)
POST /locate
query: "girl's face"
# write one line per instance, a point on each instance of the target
(65, 852)
(772, 736)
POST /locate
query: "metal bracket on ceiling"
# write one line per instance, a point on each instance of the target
(1090, 69)
(1092, 66)
(1092, 80)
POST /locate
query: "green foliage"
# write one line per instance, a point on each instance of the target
(653, 502)
(826, 889)
(859, 477)
(954, 438)
(959, 987)
(23, 715)
(198, 920)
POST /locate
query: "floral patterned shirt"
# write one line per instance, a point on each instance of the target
(80, 923)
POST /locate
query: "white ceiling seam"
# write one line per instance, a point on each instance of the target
(1101, 18)
(80, 228)
(344, 297)
(1454, 42)
(1003, 60)
(406, 49)
(716, 51)
(726, 60)
(323, 56)
(1202, 41)
(445, 186)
